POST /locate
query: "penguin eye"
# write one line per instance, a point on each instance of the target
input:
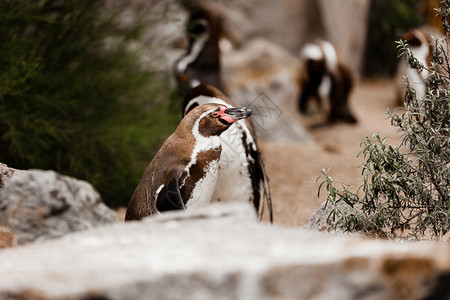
(197, 28)
(216, 113)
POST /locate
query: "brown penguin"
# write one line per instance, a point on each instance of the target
(183, 172)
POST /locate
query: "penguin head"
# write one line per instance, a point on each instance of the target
(213, 119)
(229, 115)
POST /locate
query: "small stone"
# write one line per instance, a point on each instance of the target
(320, 219)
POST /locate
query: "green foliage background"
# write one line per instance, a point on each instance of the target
(387, 20)
(75, 99)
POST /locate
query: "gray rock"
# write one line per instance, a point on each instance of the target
(39, 205)
(6, 173)
(221, 252)
(322, 220)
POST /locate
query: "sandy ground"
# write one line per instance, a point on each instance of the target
(293, 169)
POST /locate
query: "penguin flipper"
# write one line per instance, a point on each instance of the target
(169, 198)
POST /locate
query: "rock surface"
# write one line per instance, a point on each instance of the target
(322, 221)
(221, 252)
(6, 173)
(38, 205)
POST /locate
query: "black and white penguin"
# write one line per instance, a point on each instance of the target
(201, 64)
(326, 79)
(241, 173)
(183, 173)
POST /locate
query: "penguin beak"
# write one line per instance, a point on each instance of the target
(238, 113)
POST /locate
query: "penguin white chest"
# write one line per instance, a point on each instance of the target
(234, 182)
(204, 188)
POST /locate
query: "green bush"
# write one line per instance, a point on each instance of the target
(74, 98)
(405, 190)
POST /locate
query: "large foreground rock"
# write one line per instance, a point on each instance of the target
(39, 205)
(221, 252)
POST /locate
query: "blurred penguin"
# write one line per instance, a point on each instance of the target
(420, 44)
(201, 64)
(327, 80)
